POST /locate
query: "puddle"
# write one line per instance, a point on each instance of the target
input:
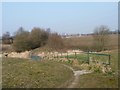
(35, 57)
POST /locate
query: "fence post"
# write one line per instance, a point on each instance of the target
(61, 54)
(48, 55)
(88, 57)
(54, 54)
(57, 55)
(109, 59)
(75, 55)
(67, 55)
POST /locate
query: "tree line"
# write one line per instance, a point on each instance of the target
(25, 40)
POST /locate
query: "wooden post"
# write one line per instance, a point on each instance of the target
(53, 55)
(88, 57)
(75, 55)
(109, 59)
(61, 54)
(57, 55)
(67, 55)
(48, 55)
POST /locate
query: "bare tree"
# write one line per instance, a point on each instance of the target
(6, 38)
(101, 37)
(55, 41)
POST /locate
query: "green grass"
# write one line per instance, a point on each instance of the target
(23, 73)
(79, 57)
(44, 73)
(83, 58)
(99, 80)
(96, 79)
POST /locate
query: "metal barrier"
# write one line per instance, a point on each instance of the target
(99, 54)
(84, 56)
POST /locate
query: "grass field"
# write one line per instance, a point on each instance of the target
(85, 57)
(80, 57)
(99, 80)
(85, 42)
(21, 73)
(52, 74)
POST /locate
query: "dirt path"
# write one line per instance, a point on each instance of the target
(76, 76)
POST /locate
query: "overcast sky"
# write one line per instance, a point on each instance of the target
(62, 17)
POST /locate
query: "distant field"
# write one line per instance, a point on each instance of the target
(21, 73)
(87, 41)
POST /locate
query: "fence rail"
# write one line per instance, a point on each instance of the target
(100, 54)
(83, 56)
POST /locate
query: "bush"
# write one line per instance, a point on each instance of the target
(38, 37)
(55, 41)
(21, 41)
(25, 40)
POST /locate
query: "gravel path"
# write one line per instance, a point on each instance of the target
(76, 76)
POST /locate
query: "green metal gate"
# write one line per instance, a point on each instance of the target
(100, 57)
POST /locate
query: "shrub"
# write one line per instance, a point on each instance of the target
(38, 37)
(25, 40)
(21, 41)
(55, 41)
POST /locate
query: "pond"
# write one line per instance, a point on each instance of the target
(35, 57)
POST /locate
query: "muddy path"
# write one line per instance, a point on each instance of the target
(77, 74)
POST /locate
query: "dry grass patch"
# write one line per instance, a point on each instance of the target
(21, 73)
